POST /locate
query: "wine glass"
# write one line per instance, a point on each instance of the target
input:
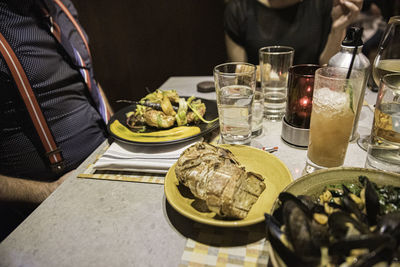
(386, 61)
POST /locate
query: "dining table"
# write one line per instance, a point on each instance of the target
(106, 222)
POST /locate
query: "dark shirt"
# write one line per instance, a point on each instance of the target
(59, 87)
(304, 26)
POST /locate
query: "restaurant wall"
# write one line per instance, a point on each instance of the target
(138, 44)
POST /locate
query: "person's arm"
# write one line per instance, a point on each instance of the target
(235, 52)
(17, 190)
(344, 12)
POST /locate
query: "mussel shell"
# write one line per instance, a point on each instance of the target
(285, 196)
(298, 229)
(304, 233)
(371, 202)
(350, 206)
(336, 206)
(369, 241)
(302, 202)
(381, 247)
(338, 224)
(274, 235)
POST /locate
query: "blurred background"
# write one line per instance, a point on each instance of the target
(139, 43)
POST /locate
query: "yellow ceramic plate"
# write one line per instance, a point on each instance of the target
(276, 174)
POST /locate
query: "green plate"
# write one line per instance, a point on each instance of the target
(277, 177)
(314, 183)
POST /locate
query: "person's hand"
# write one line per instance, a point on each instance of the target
(344, 12)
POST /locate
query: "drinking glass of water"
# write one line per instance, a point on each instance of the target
(235, 85)
(275, 62)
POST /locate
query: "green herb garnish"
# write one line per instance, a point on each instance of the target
(349, 90)
(194, 109)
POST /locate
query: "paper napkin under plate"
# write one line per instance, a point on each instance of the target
(149, 159)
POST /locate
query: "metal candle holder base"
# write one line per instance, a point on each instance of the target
(293, 135)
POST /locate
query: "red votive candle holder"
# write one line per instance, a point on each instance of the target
(296, 122)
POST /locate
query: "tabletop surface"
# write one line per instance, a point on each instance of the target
(88, 222)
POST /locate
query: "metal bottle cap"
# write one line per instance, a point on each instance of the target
(353, 37)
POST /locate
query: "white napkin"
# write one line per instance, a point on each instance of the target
(149, 159)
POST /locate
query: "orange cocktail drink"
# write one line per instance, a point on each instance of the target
(333, 112)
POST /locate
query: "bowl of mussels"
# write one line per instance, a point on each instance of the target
(337, 217)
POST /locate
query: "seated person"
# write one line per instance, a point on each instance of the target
(48, 42)
(314, 28)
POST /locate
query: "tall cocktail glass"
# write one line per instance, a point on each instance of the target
(332, 116)
(234, 85)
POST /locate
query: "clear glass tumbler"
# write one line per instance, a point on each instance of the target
(332, 116)
(235, 85)
(275, 62)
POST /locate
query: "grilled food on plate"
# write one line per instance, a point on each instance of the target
(165, 109)
(214, 175)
